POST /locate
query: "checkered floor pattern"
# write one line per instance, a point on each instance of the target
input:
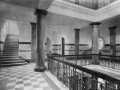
(23, 78)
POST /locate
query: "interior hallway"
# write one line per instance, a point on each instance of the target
(25, 78)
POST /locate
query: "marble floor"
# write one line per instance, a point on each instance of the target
(25, 78)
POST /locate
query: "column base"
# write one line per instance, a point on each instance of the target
(32, 61)
(40, 69)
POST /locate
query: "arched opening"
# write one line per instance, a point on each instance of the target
(13, 27)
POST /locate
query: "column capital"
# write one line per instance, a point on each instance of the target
(33, 24)
(95, 23)
(112, 28)
(77, 29)
(40, 12)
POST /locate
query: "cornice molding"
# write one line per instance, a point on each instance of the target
(75, 7)
(91, 15)
(109, 7)
(72, 10)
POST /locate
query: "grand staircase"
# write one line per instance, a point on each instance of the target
(10, 54)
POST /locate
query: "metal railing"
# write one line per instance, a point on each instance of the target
(80, 78)
(92, 4)
(108, 61)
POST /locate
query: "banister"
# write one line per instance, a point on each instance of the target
(92, 72)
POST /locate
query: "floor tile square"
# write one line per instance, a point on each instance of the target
(39, 76)
(35, 83)
(34, 80)
(27, 84)
(44, 85)
(19, 85)
(36, 86)
(10, 87)
(19, 82)
(47, 88)
(41, 79)
(27, 81)
(28, 88)
(19, 88)
(14, 78)
(11, 83)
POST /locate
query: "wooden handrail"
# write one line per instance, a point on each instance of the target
(82, 55)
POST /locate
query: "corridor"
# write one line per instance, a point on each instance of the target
(24, 78)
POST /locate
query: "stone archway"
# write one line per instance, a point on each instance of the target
(13, 27)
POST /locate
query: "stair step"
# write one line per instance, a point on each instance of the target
(10, 49)
(12, 61)
(11, 46)
(9, 43)
(9, 57)
(7, 52)
(10, 54)
(6, 59)
(13, 64)
(10, 40)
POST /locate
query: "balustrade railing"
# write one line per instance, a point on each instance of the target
(92, 4)
(108, 61)
(81, 60)
(76, 77)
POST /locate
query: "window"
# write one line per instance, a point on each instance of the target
(101, 43)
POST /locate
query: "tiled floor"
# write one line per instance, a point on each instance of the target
(24, 78)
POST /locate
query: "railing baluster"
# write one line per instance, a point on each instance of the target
(94, 83)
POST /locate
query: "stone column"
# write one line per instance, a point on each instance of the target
(95, 43)
(33, 41)
(40, 57)
(63, 46)
(112, 40)
(77, 41)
